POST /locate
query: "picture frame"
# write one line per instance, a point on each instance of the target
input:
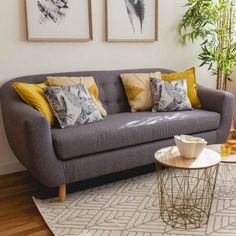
(131, 20)
(59, 20)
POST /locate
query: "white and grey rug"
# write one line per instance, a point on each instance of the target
(130, 207)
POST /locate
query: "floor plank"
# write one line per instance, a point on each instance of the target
(18, 213)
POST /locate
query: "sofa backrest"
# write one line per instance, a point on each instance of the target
(112, 93)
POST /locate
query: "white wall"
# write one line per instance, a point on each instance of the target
(19, 57)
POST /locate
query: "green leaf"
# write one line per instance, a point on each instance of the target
(213, 21)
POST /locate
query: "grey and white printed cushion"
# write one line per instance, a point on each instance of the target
(72, 105)
(170, 96)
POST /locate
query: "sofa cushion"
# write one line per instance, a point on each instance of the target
(33, 95)
(72, 105)
(129, 129)
(138, 91)
(190, 76)
(87, 81)
(170, 96)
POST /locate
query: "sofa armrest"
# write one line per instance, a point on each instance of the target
(221, 102)
(29, 135)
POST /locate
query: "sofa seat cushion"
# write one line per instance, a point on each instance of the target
(129, 129)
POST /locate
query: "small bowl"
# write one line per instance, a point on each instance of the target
(189, 146)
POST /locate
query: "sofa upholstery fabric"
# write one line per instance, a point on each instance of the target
(30, 134)
(114, 161)
(129, 129)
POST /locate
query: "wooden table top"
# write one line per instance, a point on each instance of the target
(228, 159)
(171, 157)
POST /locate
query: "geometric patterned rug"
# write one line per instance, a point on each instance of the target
(130, 207)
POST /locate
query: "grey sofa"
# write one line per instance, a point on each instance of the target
(124, 140)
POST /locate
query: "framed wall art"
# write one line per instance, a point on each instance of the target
(131, 20)
(59, 20)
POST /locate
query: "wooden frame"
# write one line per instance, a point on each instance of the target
(51, 39)
(108, 39)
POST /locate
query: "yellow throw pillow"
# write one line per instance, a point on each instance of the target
(33, 95)
(88, 82)
(138, 90)
(189, 75)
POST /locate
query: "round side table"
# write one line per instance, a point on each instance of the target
(226, 187)
(186, 187)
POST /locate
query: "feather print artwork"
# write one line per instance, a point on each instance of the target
(52, 10)
(135, 9)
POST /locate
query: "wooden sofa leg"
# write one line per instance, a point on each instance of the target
(62, 192)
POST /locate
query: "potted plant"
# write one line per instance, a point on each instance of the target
(214, 23)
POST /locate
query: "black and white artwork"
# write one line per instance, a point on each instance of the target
(59, 20)
(136, 12)
(52, 10)
(131, 20)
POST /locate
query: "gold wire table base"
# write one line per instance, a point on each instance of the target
(226, 181)
(185, 196)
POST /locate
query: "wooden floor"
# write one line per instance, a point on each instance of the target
(18, 213)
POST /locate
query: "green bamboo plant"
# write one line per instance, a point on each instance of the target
(214, 23)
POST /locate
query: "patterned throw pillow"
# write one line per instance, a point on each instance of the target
(72, 105)
(170, 96)
(190, 76)
(138, 91)
(87, 81)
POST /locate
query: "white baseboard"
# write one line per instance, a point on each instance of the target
(11, 167)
